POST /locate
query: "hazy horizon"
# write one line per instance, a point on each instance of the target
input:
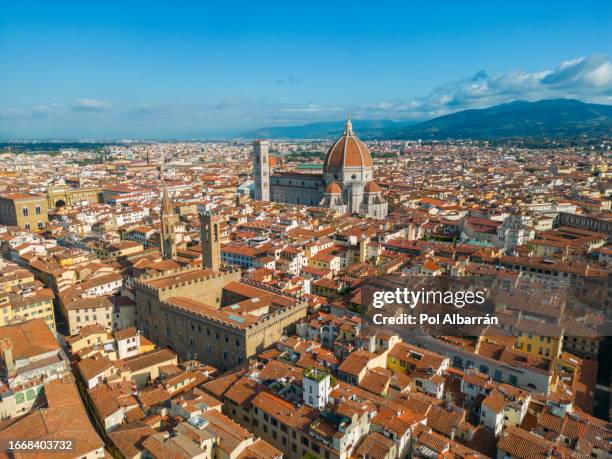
(193, 71)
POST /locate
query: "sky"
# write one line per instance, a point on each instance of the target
(187, 70)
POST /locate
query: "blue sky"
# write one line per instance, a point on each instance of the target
(195, 70)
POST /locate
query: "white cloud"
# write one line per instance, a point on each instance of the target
(310, 108)
(56, 109)
(90, 105)
(38, 111)
(585, 78)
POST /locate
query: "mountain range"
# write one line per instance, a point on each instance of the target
(327, 129)
(544, 118)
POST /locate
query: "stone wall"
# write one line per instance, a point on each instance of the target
(195, 336)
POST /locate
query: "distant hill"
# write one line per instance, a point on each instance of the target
(544, 118)
(551, 118)
(325, 130)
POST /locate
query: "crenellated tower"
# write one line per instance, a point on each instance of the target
(210, 236)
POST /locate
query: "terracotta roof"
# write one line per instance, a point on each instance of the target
(333, 188)
(125, 333)
(371, 187)
(89, 303)
(243, 391)
(522, 444)
(374, 446)
(28, 339)
(128, 439)
(377, 380)
(64, 418)
(148, 359)
(94, 366)
(442, 420)
(230, 433)
(298, 418)
(219, 386)
(261, 449)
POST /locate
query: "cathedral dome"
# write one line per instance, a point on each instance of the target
(333, 188)
(347, 151)
(371, 187)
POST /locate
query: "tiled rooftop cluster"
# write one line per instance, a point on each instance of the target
(84, 254)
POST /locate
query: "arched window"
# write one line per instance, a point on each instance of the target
(19, 398)
(30, 394)
(25, 211)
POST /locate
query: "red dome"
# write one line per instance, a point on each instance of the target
(348, 151)
(371, 187)
(333, 188)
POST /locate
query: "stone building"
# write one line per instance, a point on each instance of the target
(346, 184)
(212, 316)
(208, 313)
(27, 211)
(62, 195)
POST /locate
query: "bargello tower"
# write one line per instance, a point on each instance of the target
(210, 236)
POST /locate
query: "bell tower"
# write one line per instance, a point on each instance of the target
(168, 228)
(261, 170)
(210, 235)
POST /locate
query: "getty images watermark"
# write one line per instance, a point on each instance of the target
(404, 297)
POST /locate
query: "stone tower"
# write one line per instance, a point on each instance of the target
(168, 230)
(261, 170)
(316, 387)
(363, 249)
(210, 235)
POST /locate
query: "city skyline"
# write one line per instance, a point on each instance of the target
(149, 71)
(332, 231)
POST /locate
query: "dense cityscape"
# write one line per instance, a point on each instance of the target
(209, 299)
(322, 230)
